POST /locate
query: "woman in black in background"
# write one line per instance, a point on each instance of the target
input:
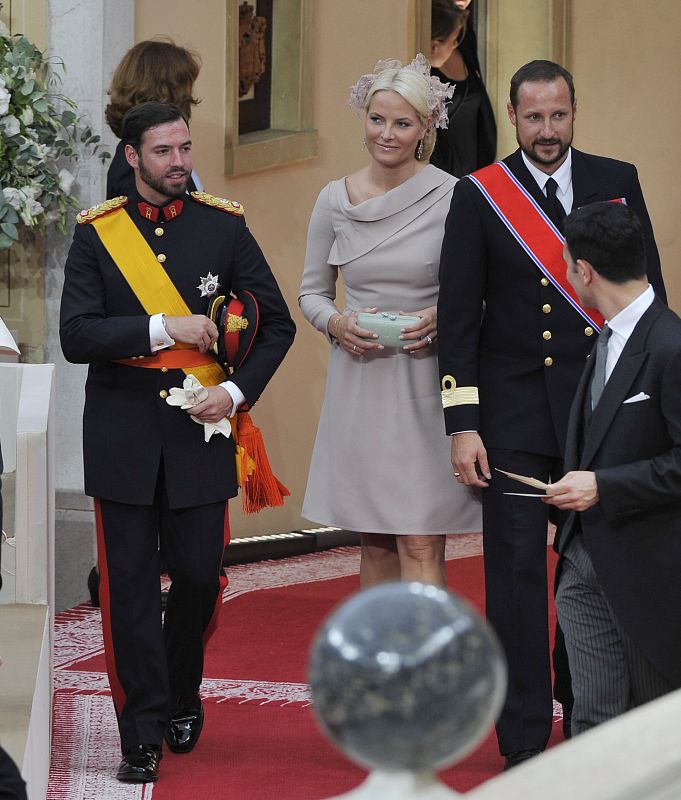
(470, 141)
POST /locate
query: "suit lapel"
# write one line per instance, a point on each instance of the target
(628, 366)
(517, 166)
(584, 188)
(577, 420)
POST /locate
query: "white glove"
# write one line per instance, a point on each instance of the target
(191, 394)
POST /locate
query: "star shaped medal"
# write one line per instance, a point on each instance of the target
(209, 285)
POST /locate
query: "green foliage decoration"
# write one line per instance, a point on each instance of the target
(41, 135)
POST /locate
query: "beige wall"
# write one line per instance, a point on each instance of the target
(519, 32)
(625, 57)
(628, 108)
(279, 201)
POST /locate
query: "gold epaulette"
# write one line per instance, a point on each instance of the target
(461, 396)
(106, 207)
(230, 206)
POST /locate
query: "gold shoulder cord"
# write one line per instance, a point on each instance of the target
(103, 208)
(230, 206)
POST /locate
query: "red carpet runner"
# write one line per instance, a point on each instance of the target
(260, 740)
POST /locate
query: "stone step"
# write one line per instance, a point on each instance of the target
(25, 691)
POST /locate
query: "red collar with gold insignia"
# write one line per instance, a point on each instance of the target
(169, 211)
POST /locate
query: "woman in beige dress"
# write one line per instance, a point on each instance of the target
(380, 464)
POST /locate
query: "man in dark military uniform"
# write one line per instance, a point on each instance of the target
(137, 281)
(512, 345)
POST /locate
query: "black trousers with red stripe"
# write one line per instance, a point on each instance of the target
(151, 664)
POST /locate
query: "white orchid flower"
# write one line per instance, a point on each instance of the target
(66, 181)
(10, 124)
(13, 197)
(27, 116)
(5, 96)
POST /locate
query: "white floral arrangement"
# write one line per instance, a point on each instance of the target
(40, 134)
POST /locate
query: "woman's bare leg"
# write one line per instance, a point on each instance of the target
(422, 558)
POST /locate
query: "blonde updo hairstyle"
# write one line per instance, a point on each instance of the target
(413, 87)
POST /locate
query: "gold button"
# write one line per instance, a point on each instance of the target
(588, 331)
(163, 394)
(164, 369)
(548, 361)
(161, 258)
(544, 281)
(547, 335)
(159, 231)
(546, 308)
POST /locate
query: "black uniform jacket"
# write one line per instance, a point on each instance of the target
(127, 426)
(633, 534)
(526, 352)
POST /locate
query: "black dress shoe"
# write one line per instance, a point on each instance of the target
(93, 586)
(184, 726)
(140, 764)
(518, 756)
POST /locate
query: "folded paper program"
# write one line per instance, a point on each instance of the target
(535, 483)
(191, 394)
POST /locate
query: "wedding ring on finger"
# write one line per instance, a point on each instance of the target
(429, 340)
(457, 474)
(354, 348)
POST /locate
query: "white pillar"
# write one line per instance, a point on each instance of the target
(90, 36)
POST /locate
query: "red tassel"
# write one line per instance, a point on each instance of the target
(261, 489)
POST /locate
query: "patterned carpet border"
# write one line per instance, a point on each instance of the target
(78, 632)
(86, 742)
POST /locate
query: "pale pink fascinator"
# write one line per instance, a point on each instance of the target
(438, 92)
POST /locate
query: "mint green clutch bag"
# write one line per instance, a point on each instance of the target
(387, 325)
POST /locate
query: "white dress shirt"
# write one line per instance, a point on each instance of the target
(562, 176)
(160, 340)
(622, 326)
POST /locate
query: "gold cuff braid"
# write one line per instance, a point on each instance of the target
(461, 396)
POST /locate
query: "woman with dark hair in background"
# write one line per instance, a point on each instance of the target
(470, 141)
(155, 69)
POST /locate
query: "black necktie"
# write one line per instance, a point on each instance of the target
(598, 379)
(556, 210)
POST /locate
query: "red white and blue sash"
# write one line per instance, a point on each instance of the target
(531, 228)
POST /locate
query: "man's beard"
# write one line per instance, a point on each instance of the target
(160, 185)
(536, 156)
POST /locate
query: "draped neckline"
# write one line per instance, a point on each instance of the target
(387, 214)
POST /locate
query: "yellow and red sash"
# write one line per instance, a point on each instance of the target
(151, 285)
(158, 294)
(532, 229)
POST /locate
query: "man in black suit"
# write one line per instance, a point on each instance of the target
(619, 594)
(512, 345)
(138, 278)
